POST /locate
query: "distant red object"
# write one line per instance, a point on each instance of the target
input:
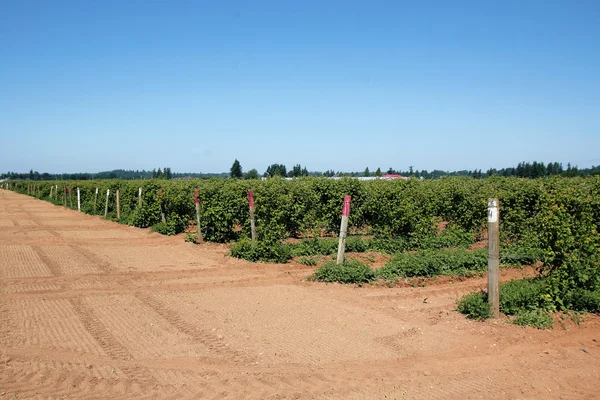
(392, 176)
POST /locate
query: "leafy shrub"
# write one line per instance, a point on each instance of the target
(537, 318)
(191, 237)
(351, 271)
(430, 263)
(583, 300)
(389, 245)
(475, 306)
(309, 261)
(261, 251)
(521, 295)
(519, 254)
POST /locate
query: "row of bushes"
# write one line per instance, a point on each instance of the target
(527, 301)
(423, 263)
(277, 252)
(388, 208)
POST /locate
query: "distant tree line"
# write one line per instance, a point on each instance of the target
(523, 170)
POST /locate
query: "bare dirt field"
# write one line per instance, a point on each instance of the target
(92, 309)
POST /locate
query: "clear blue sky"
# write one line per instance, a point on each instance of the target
(99, 85)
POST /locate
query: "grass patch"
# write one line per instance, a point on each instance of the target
(261, 251)
(475, 306)
(537, 318)
(351, 271)
(430, 263)
(309, 261)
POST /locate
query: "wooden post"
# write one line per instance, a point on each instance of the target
(343, 229)
(118, 206)
(252, 220)
(70, 197)
(78, 200)
(106, 207)
(493, 256)
(95, 200)
(162, 213)
(140, 197)
(197, 202)
(51, 188)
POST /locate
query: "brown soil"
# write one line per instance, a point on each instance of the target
(92, 309)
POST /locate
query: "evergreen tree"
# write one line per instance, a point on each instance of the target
(378, 172)
(236, 170)
(366, 173)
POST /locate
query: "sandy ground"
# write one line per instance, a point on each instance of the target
(93, 309)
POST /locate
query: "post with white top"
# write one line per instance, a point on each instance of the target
(106, 207)
(252, 220)
(197, 202)
(95, 200)
(78, 200)
(343, 230)
(493, 256)
(140, 197)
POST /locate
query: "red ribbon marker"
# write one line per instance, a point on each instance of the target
(346, 209)
(196, 196)
(251, 198)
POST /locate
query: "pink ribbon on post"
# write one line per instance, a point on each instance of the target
(251, 198)
(346, 209)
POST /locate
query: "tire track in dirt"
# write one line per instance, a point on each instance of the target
(111, 346)
(96, 328)
(52, 265)
(210, 340)
(100, 264)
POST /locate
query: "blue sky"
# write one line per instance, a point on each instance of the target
(99, 85)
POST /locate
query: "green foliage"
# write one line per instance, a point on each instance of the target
(191, 237)
(517, 254)
(236, 170)
(523, 294)
(351, 271)
(430, 263)
(583, 300)
(261, 251)
(475, 306)
(309, 261)
(536, 318)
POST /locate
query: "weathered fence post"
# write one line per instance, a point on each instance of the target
(343, 229)
(64, 196)
(493, 256)
(106, 207)
(252, 220)
(51, 188)
(118, 206)
(95, 200)
(140, 197)
(78, 200)
(197, 202)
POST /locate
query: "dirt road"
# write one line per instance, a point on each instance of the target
(93, 309)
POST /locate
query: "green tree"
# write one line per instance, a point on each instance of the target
(252, 174)
(276, 170)
(367, 173)
(236, 170)
(378, 172)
